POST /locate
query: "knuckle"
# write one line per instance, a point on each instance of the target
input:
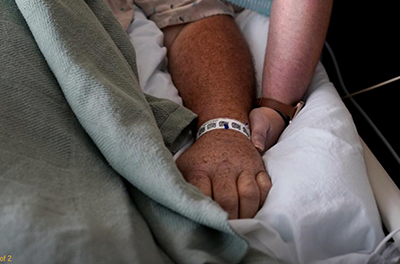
(197, 177)
(247, 187)
(198, 182)
(250, 194)
(264, 182)
(199, 173)
(228, 203)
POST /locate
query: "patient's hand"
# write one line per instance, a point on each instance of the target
(226, 166)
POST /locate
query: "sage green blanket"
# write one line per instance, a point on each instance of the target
(86, 170)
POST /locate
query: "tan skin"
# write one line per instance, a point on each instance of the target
(211, 66)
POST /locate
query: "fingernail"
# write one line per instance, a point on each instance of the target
(259, 147)
(263, 179)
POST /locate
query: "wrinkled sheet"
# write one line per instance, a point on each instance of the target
(321, 208)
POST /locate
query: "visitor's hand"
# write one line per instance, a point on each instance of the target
(226, 166)
(266, 127)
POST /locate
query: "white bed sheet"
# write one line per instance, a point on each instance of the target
(321, 208)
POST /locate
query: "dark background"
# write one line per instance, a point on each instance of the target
(365, 39)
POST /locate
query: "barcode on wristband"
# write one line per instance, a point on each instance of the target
(224, 123)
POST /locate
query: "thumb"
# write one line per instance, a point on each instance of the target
(259, 129)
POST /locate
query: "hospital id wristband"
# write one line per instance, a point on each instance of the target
(224, 123)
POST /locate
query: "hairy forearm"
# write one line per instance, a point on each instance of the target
(211, 66)
(295, 41)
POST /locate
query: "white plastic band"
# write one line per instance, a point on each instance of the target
(224, 123)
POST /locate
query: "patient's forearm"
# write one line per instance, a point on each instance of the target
(295, 41)
(211, 65)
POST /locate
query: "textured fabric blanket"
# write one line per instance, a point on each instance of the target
(86, 170)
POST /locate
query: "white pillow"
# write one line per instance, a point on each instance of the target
(321, 208)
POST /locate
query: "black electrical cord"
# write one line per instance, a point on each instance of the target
(366, 117)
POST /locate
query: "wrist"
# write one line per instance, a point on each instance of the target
(287, 112)
(222, 135)
(285, 118)
(226, 124)
(242, 118)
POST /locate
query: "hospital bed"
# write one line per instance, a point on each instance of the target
(148, 39)
(386, 193)
(76, 185)
(66, 142)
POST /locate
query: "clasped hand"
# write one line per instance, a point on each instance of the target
(227, 167)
